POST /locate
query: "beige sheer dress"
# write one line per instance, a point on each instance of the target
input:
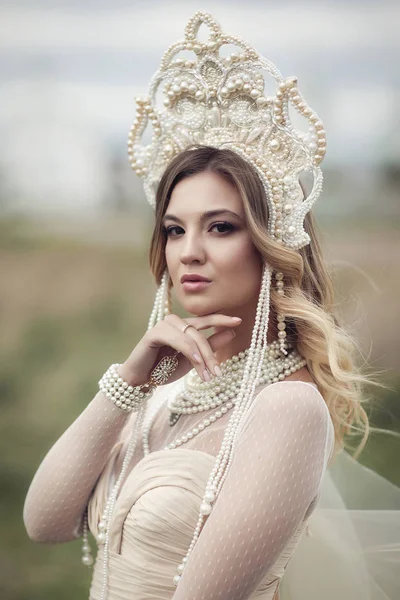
(272, 487)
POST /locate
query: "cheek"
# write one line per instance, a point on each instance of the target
(239, 270)
(241, 257)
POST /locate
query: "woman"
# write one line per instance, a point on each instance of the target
(185, 505)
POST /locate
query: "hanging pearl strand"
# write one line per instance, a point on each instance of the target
(156, 307)
(160, 309)
(281, 318)
(179, 385)
(247, 390)
(254, 370)
(260, 352)
(87, 558)
(103, 526)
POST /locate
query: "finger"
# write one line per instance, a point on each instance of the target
(219, 339)
(183, 343)
(205, 360)
(209, 361)
(209, 345)
(212, 320)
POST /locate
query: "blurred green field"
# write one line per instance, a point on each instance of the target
(69, 308)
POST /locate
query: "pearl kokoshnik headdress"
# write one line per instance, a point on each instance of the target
(220, 101)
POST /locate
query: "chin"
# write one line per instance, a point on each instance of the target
(197, 310)
(198, 306)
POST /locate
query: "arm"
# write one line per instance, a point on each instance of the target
(61, 487)
(275, 474)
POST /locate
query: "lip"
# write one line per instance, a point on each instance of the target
(193, 277)
(195, 286)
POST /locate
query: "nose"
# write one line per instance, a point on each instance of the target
(192, 249)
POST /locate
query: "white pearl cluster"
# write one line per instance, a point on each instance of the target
(281, 325)
(202, 395)
(241, 80)
(221, 392)
(125, 397)
(220, 101)
(183, 86)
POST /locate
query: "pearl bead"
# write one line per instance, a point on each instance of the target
(205, 508)
(210, 496)
(274, 144)
(101, 537)
(177, 579)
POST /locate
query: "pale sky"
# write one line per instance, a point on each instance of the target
(75, 66)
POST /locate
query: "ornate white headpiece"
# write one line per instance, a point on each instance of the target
(220, 101)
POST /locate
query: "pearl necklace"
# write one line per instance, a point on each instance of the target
(197, 396)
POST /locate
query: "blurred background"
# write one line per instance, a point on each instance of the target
(76, 291)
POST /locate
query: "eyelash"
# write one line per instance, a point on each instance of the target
(168, 230)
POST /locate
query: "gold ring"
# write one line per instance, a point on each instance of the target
(186, 326)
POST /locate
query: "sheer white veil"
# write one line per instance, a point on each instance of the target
(352, 549)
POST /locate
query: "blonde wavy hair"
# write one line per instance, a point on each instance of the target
(308, 301)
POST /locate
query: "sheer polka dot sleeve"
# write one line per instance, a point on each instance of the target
(281, 454)
(60, 489)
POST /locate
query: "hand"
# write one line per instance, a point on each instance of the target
(167, 337)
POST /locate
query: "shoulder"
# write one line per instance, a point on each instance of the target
(288, 419)
(292, 405)
(295, 396)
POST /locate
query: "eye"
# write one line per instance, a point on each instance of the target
(227, 227)
(168, 230)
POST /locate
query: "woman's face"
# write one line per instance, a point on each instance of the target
(216, 246)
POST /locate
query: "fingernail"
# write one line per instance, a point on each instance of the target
(236, 319)
(232, 332)
(197, 358)
(217, 370)
(206, 375)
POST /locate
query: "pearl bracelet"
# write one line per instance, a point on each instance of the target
(128, 397)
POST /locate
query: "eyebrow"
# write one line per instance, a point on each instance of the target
(205, 215)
